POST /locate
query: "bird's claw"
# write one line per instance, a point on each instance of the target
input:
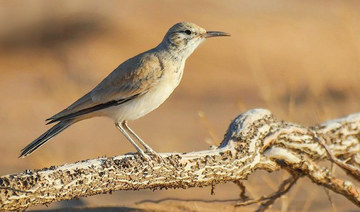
(152, 156)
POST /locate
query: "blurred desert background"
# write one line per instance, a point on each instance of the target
(299, 59)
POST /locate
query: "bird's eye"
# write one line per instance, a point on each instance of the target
(188, 32)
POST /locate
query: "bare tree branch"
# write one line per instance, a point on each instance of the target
(350, 169)
(283, 189)
(254, 140)
(242, 188)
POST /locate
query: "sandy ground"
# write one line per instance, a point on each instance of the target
(299, 59)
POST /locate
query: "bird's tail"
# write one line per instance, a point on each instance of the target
(56, 129)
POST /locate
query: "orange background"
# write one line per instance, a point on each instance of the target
(300, 59)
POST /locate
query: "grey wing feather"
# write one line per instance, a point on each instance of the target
(130, 79)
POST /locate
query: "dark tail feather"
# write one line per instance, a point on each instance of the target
(56, 129)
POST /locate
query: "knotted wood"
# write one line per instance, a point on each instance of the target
(254, 140)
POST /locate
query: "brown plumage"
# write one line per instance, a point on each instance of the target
(134, 88)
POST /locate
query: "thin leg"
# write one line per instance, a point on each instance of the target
(147, 147)
(123, 131)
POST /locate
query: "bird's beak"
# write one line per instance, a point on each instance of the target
(210, 34)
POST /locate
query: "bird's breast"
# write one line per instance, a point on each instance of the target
(166, 85)
(154, 97)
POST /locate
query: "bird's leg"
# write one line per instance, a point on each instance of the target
(123, 131)
(147, 147)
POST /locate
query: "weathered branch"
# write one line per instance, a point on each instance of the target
(254, 140)
(283, 189)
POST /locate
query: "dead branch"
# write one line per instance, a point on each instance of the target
(283, 189)
(242, 196)
(350, 169)
(254, 140)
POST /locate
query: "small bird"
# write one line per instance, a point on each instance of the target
(135, 88)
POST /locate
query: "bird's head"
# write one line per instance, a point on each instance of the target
(184, 37)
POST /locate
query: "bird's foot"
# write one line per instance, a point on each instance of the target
(156, 157)
(145, 156)
(152, 158)
(154, 154)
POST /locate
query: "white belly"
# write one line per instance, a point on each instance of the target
(148, 102)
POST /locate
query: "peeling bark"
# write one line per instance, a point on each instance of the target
(254, 140)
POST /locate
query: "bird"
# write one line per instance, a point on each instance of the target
(136, 87)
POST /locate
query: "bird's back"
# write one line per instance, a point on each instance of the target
(130, 79)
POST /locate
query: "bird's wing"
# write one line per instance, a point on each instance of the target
(132, 78)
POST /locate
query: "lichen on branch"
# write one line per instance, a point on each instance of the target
(254, 140)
